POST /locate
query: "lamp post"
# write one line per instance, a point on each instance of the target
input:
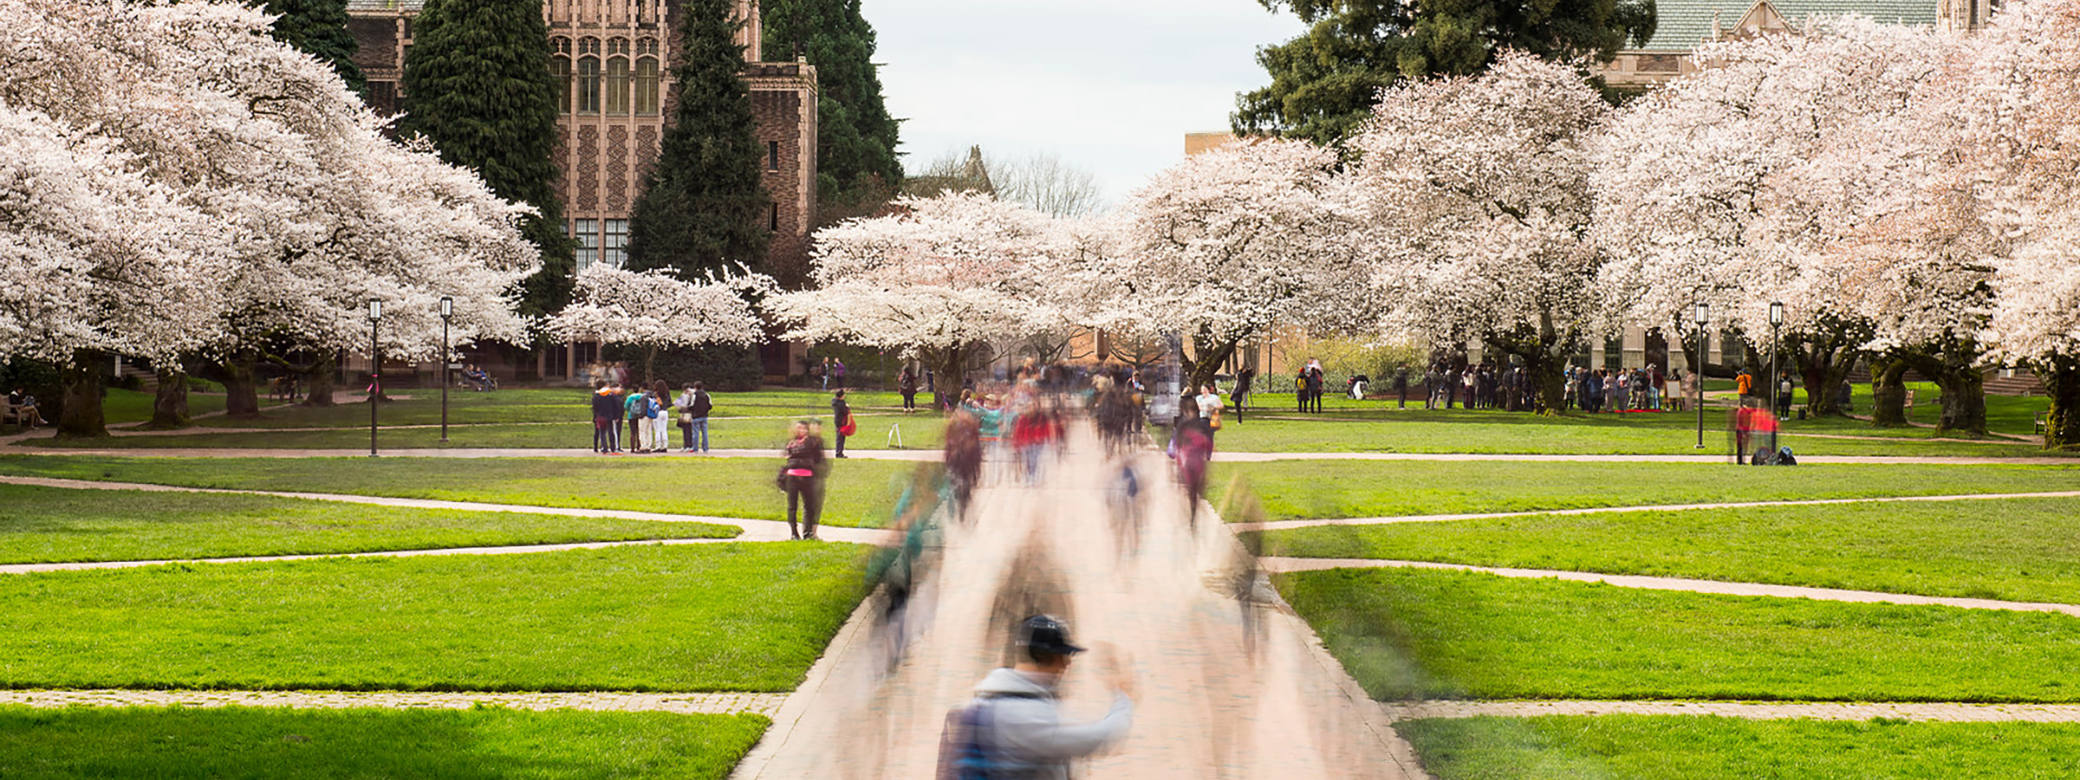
(1776, 320)
(1704, 317)
(375, 368)
(447, 311)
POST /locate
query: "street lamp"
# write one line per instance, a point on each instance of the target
(375, 368)
(1704, 317)
(447, 311)
(1776, 320)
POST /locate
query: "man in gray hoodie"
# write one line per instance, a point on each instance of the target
(1017, 731)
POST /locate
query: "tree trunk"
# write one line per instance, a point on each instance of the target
(2061, 377)
(649, 364)
(1889, 386)
(1545, 360)
(1822, 368)
(1963, 386)
(1211, 354)
(241, 387)
(170, 406)
(81, 417)
(949, 365)
(318, 378)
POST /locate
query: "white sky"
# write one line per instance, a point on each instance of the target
(1111, 86)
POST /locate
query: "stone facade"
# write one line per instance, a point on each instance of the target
(614, 60)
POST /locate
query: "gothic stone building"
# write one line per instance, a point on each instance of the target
(1682, 25)
(613, 59)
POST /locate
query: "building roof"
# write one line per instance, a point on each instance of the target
(385, 5)
(1683, 24)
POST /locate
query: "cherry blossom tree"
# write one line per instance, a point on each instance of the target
(940, 279)
(313, 212)
(1742, 184)
(2019, 100)
(1475, 192)
(1227, 244)
(655, 310)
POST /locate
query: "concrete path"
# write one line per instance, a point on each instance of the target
(1273, 525)
(1675, 583)
(1264, 457)
(1215, 698)
(1947, 712)
(510, 452)
(754, 530)
(683, 703)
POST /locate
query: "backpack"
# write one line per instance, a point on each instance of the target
(964, 751)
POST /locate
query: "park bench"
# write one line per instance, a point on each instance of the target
(11, 414)
(1910, 399)
(2041, 422)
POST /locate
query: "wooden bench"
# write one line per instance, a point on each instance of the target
(11, 414)
(1910, 399)
(2041, 423)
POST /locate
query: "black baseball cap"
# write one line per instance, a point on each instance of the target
(1046, 634)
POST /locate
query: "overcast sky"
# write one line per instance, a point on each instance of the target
(1111, 86)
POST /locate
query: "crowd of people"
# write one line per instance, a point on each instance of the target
(647, 411)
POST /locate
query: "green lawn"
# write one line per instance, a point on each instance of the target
(1329, 488)
(2017, 550)
(918, 433)
(1634, 747)
(1430, 634)
(126, 406)
(422, 406)
(724, 617)
(861, 492)
(235, 743)
(52, 525)
(1575, 434)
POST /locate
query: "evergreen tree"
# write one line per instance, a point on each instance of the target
(319, 27)
(703, 206)
(1323, 82)
(477, 84)
(855, 138)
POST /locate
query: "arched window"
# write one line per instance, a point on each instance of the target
(617, 86)
(646, 86)
(588, 76)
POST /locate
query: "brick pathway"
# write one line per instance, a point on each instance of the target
(1273, 525)
(686, 703)
(1674, 583)
(1921, 711)
(1206, 706)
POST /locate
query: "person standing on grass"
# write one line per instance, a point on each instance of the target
(840, 366)
(906, 383)
(606, 419)
(1744, 384)
(1243, 379)
(1317, 384)
(694, 406)
(660, 436)
(637, 410)
(841, 414)
(1401, 384)
(802, 479)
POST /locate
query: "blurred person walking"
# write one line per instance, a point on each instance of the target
(1013, 729)
(1191, 446)
(963, 452)
(802, 479)
(1243, 379)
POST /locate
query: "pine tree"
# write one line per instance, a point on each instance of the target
(856, 138)
(319, 28)
(1323, 82)
(703, 206)
(477, 84)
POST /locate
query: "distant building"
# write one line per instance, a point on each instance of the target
(1682, 25)
(1195, 143)
(613, 59)
(971, 176)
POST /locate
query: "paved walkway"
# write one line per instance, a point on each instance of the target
(1919, 711)
(685, 703)
(1273, 525)
(1207, 705)
(1262, 457)
(1674, 583)
(754, 530)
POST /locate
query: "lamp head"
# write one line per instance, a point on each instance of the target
(1776, 314)
(447, 306)
(1704, 313)
(375, 309)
